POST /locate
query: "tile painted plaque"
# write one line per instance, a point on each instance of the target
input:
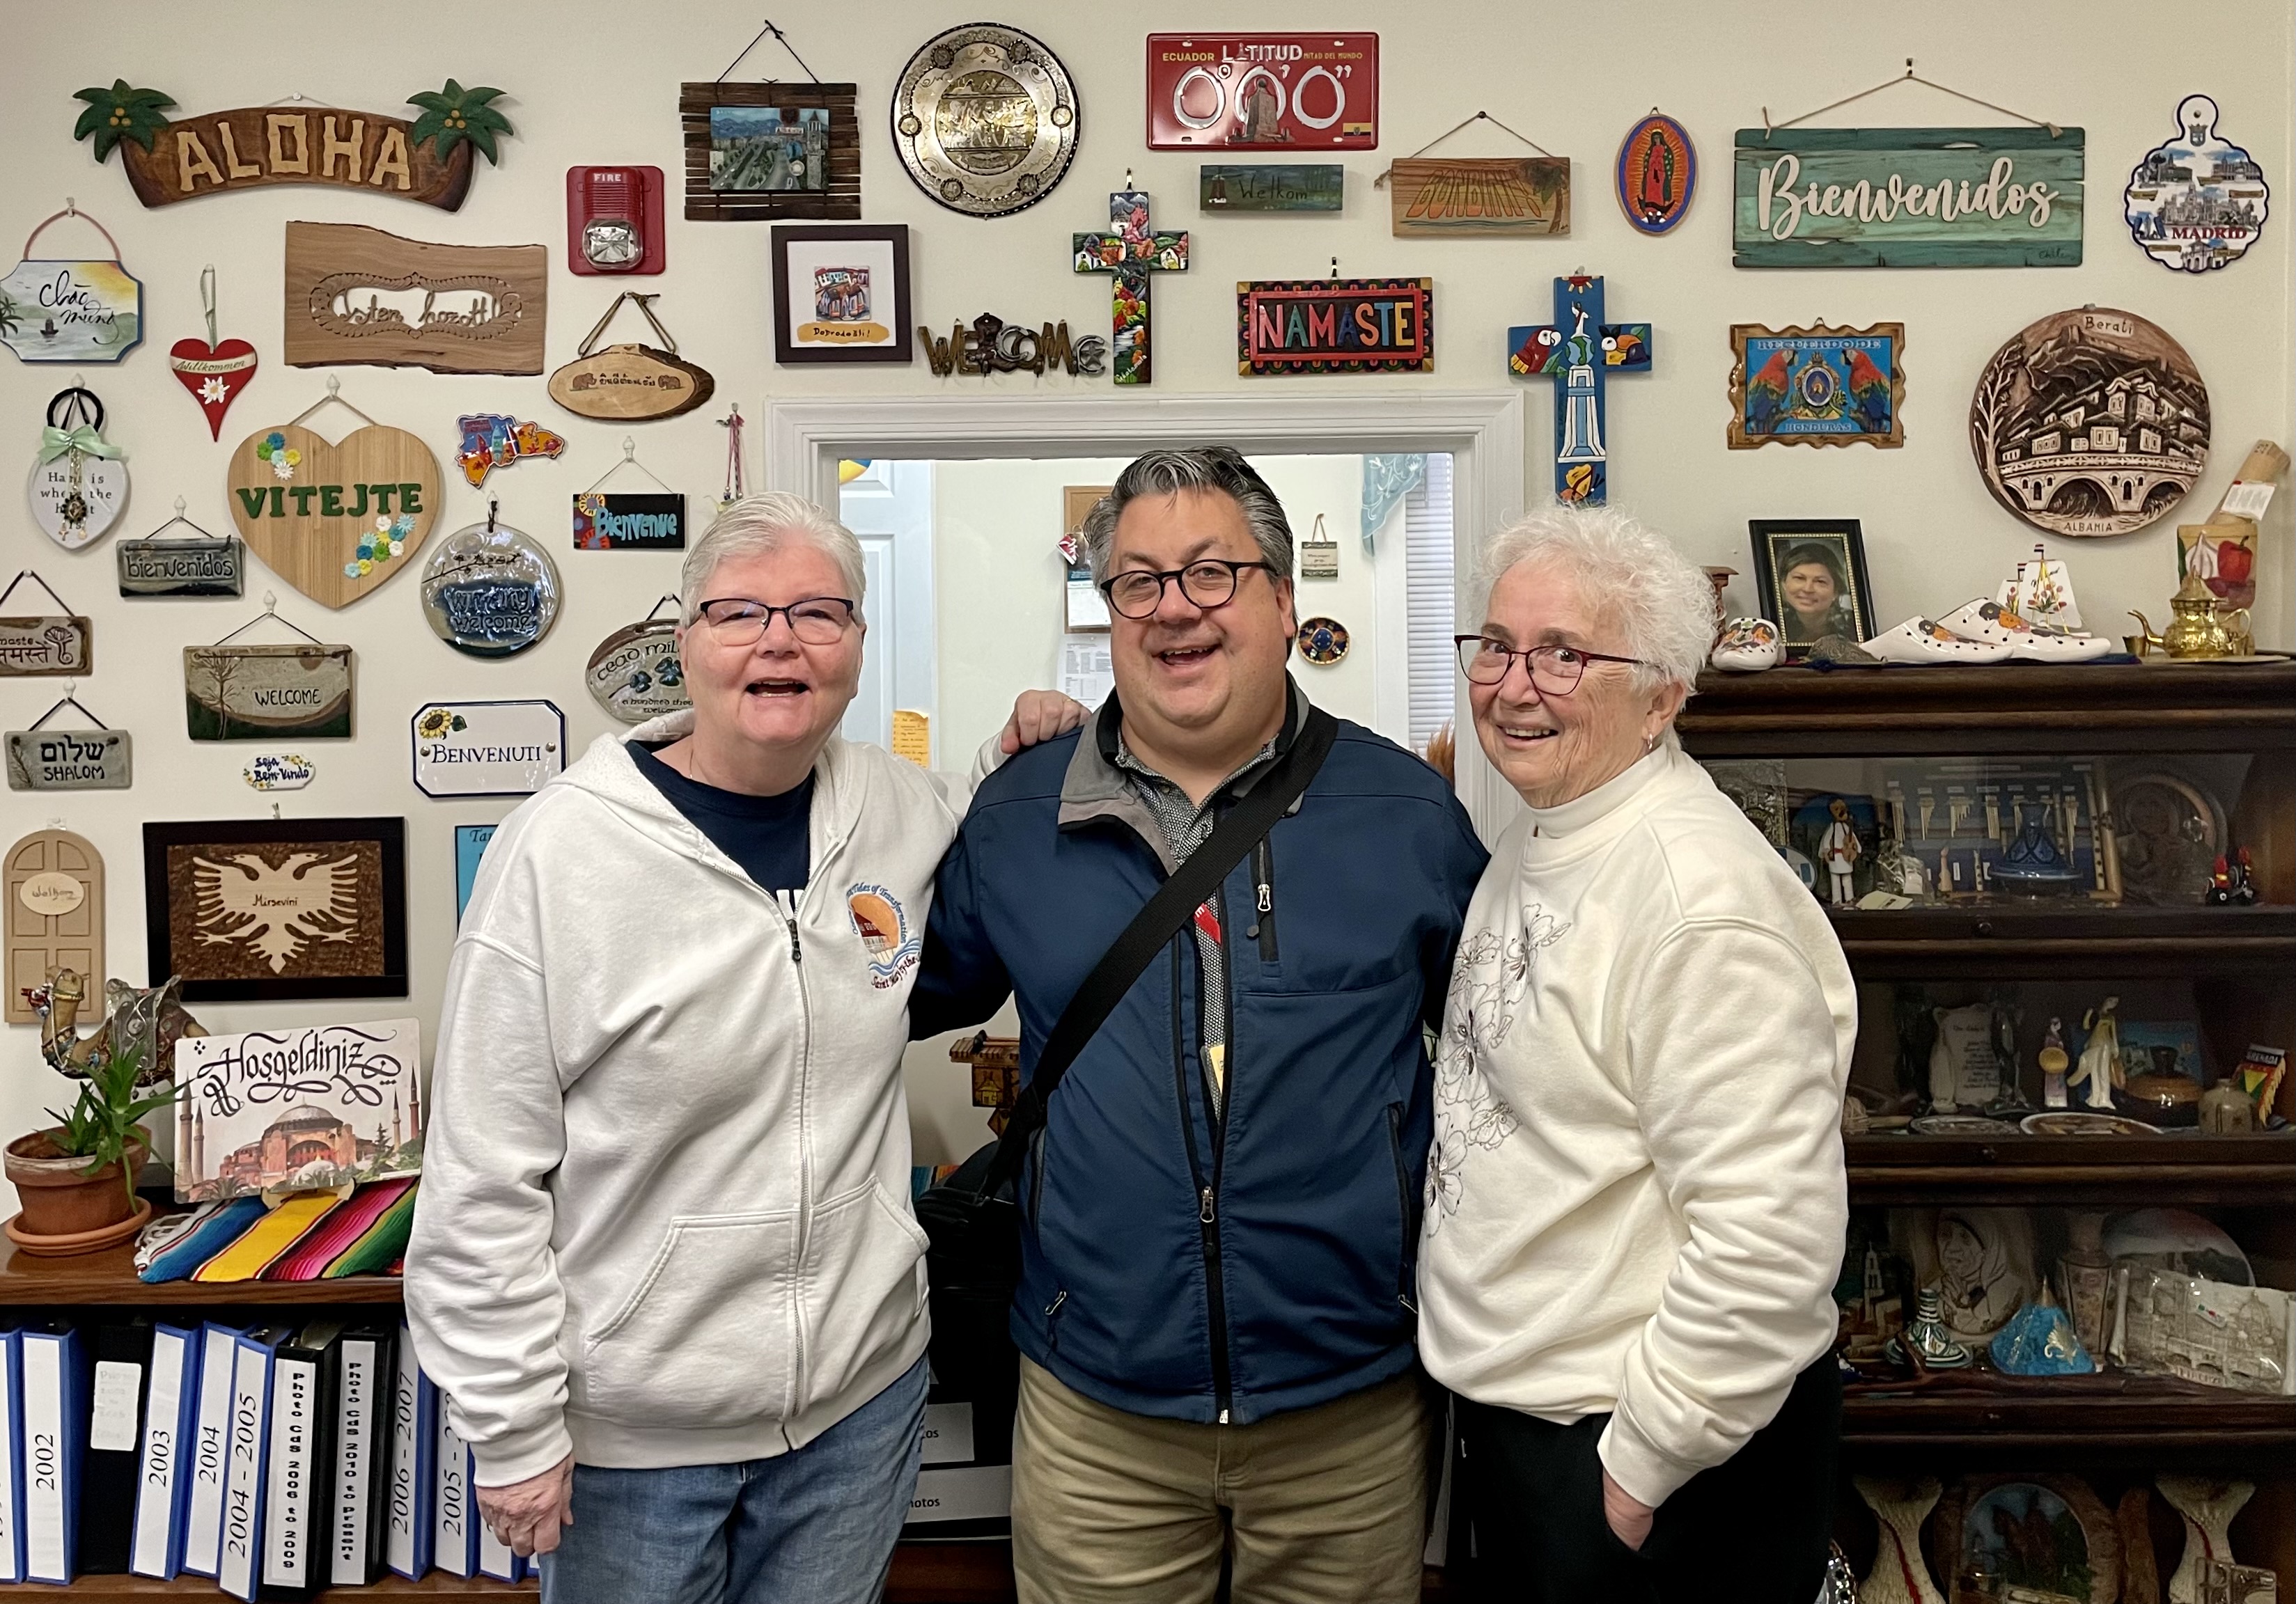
(635, 673)
(1307, 186)
(487, 749)
(1908, 198)
(266, 692)
(44, 760)
(606, 521)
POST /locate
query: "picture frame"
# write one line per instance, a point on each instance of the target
(275, 909)
(1838, 543)
(1966, 1530)
(841, 293)
(744, 163)
(1816, 386)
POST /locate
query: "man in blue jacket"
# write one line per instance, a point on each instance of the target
(1220, 1219)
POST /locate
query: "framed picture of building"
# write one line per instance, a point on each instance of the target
(314, 1106)
(267, 909)
(756, 150)
(842, 292)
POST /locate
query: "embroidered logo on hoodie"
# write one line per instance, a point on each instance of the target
(885, 930)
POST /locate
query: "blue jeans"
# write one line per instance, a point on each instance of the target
(816, 1524)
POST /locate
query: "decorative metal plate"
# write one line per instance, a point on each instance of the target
(985, 119)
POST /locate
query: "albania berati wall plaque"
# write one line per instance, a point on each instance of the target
(985, 118)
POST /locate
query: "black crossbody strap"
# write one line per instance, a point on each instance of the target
(1175, 902)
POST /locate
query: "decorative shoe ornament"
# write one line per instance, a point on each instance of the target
(1747, 645)
(1995, 623)
(1926, 641)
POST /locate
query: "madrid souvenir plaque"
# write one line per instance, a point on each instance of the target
(2197, 201)
(2092, 421)
(1335, 326)
(490, 590)
(52, 309)
(635, 673)
(487, 749)
(333, 521)
(43, 644)
(985, 119)
(267, 692)
(1279, 90)
(43, 760)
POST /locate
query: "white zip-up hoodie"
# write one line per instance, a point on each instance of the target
(664, 1215)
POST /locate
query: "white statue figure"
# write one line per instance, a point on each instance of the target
(1899, 1574)
(2208, 1508)
(1838, 849)
(2099, 1069)
(1985, 1265)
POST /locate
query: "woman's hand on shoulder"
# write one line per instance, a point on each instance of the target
(1039, 715)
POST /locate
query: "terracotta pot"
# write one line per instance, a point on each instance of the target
(58, 1197)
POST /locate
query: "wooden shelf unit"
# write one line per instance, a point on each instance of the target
(2116, 1429)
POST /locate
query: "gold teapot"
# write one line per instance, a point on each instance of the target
(2198, 630)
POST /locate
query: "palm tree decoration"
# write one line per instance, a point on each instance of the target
(455, 114)
(12, 314)
(120, 112)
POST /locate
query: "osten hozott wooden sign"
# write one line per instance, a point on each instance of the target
(255, 147)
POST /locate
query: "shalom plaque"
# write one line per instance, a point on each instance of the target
(487, 749)
(46, 760)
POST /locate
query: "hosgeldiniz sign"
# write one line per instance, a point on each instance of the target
(429, 160)
(1908, 198)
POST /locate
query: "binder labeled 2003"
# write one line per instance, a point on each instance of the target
(163, 1480)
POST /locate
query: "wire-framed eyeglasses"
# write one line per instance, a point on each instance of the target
(1207, 582)
(739, 621)
(1553, 670)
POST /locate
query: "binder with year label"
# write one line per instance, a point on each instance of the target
(238, 1565)
(208, 1462)
(55, 1415)
(456, 1539)
(298, 1479)
(120, 1355)
(12, 1464)
(410, 1517)
(163, 1479)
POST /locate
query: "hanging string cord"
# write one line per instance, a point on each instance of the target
(1478, 117)
(782, 39)
(24, 573)
(1908, 77)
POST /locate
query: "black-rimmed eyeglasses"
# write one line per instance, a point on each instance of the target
(739, 621)
(1553, 670)
(1207, 582)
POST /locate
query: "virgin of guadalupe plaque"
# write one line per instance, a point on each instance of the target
(490, 590)
(100, 759)
(635, 673)
(43, 644)
(198, 564)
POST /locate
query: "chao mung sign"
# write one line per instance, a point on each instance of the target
(1908, 198)
(487, 749)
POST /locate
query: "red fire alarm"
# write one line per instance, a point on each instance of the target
(613, 220)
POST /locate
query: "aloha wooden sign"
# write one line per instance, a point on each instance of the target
(1908, 198)
(429, 160)
(359, 295)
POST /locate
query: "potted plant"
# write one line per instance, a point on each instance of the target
(76, 1180)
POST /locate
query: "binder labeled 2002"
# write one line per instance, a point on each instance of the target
(12, 1470)
(56, 1387)
(163, 1480)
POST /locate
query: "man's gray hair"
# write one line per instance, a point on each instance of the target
(1662, 603)
(765, 522)
(1220, 468)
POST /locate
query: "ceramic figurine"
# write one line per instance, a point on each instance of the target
(151, 1019)
(1748, 644)
(2054, 1061)
(2043, 591)
(1839, 849)
(1985, 1265)
(2031, 865)
(2208, 1508)
(1994, 624)
(1899, 1574)
(1926, 1337)
(2085, 1280)
(1925, 640)
(2226, 1110)
(2039, 1340)
(2099, 1069)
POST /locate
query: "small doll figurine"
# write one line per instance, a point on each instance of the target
(1839, 850)
(2099, 1069)
(2054, 1061)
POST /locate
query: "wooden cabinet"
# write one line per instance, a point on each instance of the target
(2229, 731)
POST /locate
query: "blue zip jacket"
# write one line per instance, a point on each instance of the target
(1176, 1262)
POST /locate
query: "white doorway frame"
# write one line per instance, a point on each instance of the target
(1482, 431)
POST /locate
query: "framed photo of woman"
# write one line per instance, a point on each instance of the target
(1810, 574)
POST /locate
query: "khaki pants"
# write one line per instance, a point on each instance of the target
(1322, 1505)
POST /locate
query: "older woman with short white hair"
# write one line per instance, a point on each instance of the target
(1636, 1201)
(665, 1271)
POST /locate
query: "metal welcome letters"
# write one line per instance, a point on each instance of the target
(1909, 198)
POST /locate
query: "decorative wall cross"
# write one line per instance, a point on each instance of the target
(1578, 350)
(1130, 253)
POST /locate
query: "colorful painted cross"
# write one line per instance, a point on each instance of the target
(1130, 254)
(1578, 350)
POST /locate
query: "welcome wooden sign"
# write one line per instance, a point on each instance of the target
(1335, 326)
(1908, 198)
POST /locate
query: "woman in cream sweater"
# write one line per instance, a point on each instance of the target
(1636, 1201)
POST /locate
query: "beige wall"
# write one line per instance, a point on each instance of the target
(594, 81)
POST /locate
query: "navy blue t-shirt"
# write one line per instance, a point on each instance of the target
(766, 835)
